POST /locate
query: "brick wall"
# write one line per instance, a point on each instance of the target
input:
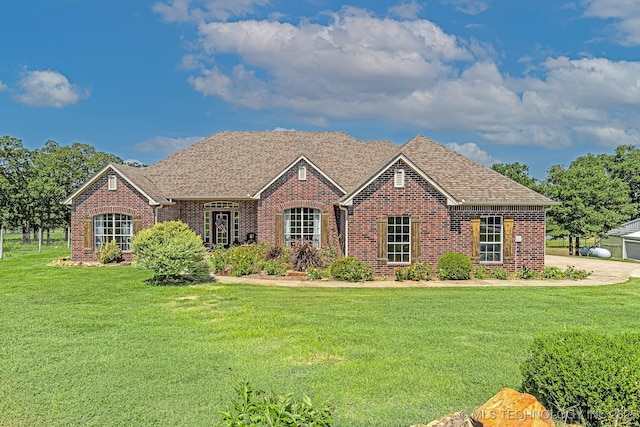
(288, 192)
(97, 200)
(443, 228)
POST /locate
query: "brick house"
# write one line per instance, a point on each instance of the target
(384, 204)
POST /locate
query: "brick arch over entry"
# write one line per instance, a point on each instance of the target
(112, 209)
(303, 204)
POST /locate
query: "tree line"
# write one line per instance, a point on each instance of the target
(597, 193)
(33, 183)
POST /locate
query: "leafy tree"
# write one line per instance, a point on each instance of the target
(517, 172)
(625, 164)
(16, 171)
(593, 201)
(172, 251)
(60, 170)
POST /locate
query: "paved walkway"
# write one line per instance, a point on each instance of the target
(605, 272)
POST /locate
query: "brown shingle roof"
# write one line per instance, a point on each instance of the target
(239, 164)
(139, 178)
(467, 181)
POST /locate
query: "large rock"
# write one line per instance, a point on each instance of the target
(513, 409)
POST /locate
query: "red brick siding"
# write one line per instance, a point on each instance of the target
(96, 200)
(287, 192)
(443, 228)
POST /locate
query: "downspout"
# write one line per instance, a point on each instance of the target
(346, 229)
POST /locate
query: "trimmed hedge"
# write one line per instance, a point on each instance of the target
(586, 377)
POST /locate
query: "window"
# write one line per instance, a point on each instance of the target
(398, 178)
(398, 239)
(302, 173)
(113, 182)
(116, 227)
(302, 224)
(491, 239)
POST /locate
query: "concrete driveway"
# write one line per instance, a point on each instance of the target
(604, 272)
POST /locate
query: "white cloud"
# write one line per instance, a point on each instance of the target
(626, 16)
(406, 10)
(470, 7)
(471, 151)
(165, 145)
(609, 135)
(357, 58)
(410, 72)
(3, 87)
(200, 10)
(47, 88)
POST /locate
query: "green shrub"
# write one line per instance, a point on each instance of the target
(454, 266)
(499, 273)
(481, 272)
(552, 272)
(586, 377)
(315, 273)
(576, 274)
(238, 260)
(172, 251)
(275, 267)
(253, 407)
(304, 255)
(351, 269)
(109, 252)
(417, 271)
(525, 273)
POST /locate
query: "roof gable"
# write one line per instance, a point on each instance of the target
(134, 176)
(468, 182)
(288, 168)
(348, 199)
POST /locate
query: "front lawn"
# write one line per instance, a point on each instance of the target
(91, 346)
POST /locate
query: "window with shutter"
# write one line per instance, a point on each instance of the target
(475, 237)
(508, 240)
(416, 229)
(279, 229)
(88, 234)
(382, 238)
(491, 234)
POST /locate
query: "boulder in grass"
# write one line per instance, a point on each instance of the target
(510, 408)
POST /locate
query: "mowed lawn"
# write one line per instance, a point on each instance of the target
(97, 346)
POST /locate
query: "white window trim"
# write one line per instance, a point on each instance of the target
(109, 221)
(501, 243)
(302, 173)
(409, 243)
(307, 213)
(398, 178)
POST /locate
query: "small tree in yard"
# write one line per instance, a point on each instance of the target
(172, 251)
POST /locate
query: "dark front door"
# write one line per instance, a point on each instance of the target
(221, 229)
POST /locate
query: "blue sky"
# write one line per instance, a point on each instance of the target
(539, 82)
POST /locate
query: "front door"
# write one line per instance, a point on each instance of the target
(221, 229)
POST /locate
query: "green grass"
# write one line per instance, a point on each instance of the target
(98, 347)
